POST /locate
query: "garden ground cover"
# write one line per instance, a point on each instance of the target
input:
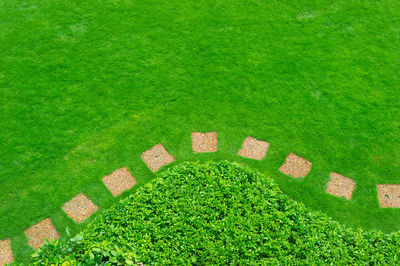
(86, 87)
(233, 215)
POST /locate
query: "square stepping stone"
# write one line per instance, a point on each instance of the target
(253, 148)
(157, 157)
(39, 232)
(6, 255)
(295, 166)
(119, 181)
(340, 186)
(388, 195)
(204, 142)
(79, 208)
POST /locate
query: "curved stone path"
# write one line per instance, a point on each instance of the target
(80, 207)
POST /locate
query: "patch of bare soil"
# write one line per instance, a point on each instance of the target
(79, 208)
(253, 148)
(6, 255)
(204, 142)
(39, 232)
(119, 181)
(340, 186)
(295, 166)
(157, 157)
(388, 195)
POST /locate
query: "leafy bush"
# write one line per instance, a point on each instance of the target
(220, 213)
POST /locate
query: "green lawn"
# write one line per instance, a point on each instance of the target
(87, 86)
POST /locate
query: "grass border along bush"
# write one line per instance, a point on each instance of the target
(217, 213)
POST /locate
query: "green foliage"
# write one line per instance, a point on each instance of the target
(64, 252)
(220, 213)
(58, 251)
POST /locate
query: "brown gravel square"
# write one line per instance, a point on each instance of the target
(388, 195)
(39, 232)
(79, 208)
(340, 186)
(119, 181)
(6, 255)
(295, 166)
(204, 142)
(253, 148)
(157, 157)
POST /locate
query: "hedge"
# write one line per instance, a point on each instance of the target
(217, 213)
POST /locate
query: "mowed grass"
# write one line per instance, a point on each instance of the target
(87, 86)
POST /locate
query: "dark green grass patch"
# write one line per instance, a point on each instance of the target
(218, 213)
(87, 86)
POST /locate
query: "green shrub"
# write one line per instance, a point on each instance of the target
(220, 213)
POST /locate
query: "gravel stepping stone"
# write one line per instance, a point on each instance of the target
(253, 148)
(295, 166)
(340, 186)
(6, 255)
(204, 142)
(157, 157)
(39, 232)
(119, 181)
(389, 195)
(79, 208)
